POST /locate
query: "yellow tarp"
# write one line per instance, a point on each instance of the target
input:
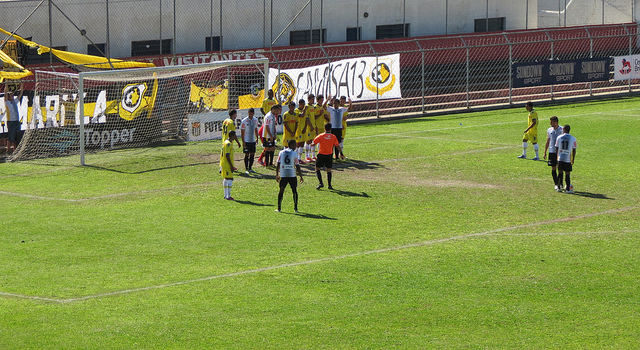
(81, 59)
(211, 98)
(249, 101)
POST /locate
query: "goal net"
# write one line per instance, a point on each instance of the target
(136, 107)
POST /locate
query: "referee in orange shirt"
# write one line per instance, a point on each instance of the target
(327, 141)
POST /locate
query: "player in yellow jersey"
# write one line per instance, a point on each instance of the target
(313, 110)
(345, 116)
(303, 132)
(226, 164)
(268, 103)
(321, 118)
(289, 124)
(229, 125)
(531, 133)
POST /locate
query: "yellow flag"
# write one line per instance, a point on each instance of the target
(251, 101)
(209, 98)
(137, 99)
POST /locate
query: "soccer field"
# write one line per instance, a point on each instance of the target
(436, 236)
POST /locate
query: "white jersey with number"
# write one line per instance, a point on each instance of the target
(288, 159)
(249, 126)
(552, 136)
(269, 122)
(565, 144)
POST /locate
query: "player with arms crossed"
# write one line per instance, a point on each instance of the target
(327, 142)
(552, 135)
(226, 164)
(249, 132)
(287, 168)
(566, 145)
(531, 133)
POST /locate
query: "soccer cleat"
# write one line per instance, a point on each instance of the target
(260, 162)
(308, 160)
(314, 159)
(569, 192)
(330, 187)
(522, 156)
(296, 211)
(556, 187)
(253, 171)
(230, 199)
(559, 189)
(536, 158)
(247, 172)
(319, 186)
(277, 210)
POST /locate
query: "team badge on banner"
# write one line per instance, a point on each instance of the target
(137, 99)
(381, 79)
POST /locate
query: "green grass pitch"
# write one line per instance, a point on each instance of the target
(436, 236)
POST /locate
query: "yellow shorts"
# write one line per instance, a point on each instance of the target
(531, 136)
(307, 136)
(226, 171)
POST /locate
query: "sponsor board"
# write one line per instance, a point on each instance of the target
(626, 67)
(208, 126)
(560, 72)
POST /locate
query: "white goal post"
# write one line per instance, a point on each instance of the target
(113, 109)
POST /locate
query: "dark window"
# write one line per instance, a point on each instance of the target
(34, 58)
(212, 43)
(97, 50)
(392, 31)
(354, 34)
(151, 47)
(494, 24)
(302, 37)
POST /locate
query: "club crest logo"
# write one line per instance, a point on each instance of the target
(626, 67)
(195, 129)
(132, 96)
(283, 89)
(381, 79)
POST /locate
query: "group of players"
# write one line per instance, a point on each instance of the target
(561, 146)
(305, 126)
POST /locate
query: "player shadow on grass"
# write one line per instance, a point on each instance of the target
(312, 216)
(254, 203)
(350, 194)
(592, 195)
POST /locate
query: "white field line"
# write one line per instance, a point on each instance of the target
(314, 261)
(483, 125)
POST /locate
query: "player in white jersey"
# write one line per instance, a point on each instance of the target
(269, 134)
(287, 168)
(336, 115)
(552, 135)
(566, 147)
(249, 131)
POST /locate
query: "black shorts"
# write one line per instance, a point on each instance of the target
(553, 159)
(338, 133)
(13, 127)
(324, 160)
(564, 166)
(291, 181)
(267, 144)
(250, 147)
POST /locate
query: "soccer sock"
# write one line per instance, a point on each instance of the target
(306, 150)
(261, 156)
(555, 176)
(524, 148)
(280, 195)
(246, 161)
(567, 180)
(329, 178)
(251, 161)
(225, 186)
(342, 145)
(299, 150)
(229, 182)
(270, 156)
(295, 199)
(313, 150)
(560, 174)
(535, 148)
(319, 175)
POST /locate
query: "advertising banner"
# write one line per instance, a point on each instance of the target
(560, 72)
(208, 126)
(626, 67)
(360, 79)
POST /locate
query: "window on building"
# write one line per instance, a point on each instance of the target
(212, 43)
(151, 47)
(97, 50)
(34, 58)
(354, 34)
(302, 37)
(392, 31)
(493, 25)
